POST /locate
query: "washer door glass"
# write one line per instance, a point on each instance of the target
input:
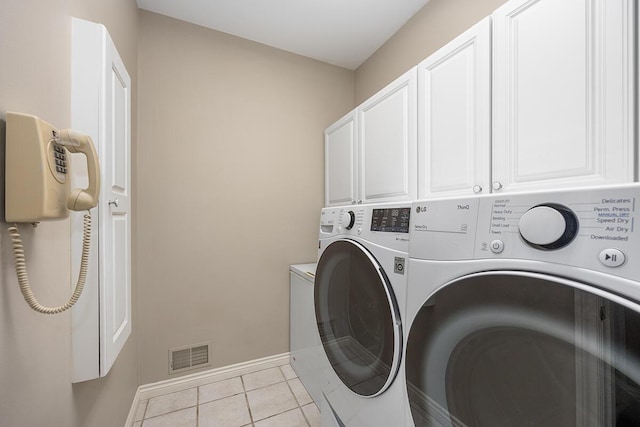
(358, 318)
(523, 349)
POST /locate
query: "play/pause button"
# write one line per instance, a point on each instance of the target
(612, 257)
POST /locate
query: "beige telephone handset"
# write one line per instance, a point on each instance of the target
(37, 188)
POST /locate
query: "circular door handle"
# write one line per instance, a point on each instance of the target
(497, 186)
(477, 189)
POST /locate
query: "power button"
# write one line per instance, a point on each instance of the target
(496, 246)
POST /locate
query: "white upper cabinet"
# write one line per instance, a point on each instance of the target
(387, 124)
(539, 95)
(454, 116)
(340, 156)
(370, 154)
(563, 93)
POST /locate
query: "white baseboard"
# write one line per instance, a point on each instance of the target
(132, 411)
(147, 391)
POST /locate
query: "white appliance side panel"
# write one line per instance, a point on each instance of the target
(306, 347)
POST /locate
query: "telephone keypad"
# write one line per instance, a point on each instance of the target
(60, 155)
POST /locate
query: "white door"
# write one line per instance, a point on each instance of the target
(101, 107)
(115, 210)
(454, 116)
(563, 93)
(506, 348)
(387, 125)
(358, 318)
(340, 147)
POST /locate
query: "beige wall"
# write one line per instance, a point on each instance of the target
(230, 179)
(35, 356)
(437, 23)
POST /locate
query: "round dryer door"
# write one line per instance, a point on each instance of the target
(358, 318)
(524, 349)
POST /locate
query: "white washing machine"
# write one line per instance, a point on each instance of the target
(524, 310)
(306, 351)
(359, 297)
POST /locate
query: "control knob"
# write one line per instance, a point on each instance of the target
(348, 219)
(548, 226)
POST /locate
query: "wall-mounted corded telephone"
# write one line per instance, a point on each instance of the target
(37, 188)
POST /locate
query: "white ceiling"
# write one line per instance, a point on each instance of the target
(340, 32)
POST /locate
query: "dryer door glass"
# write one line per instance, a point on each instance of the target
(516, 349)
(358, 318)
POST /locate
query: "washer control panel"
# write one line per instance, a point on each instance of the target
(595, 228)
(385, 224)
(603, 219)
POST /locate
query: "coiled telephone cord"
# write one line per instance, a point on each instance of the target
(23, 279)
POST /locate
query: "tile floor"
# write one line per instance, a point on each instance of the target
(272, 397)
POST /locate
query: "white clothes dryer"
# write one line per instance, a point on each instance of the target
(359, 298)
(524, 310)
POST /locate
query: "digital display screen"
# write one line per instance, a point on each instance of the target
(393, 220)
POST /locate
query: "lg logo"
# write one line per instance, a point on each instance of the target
(421, 209)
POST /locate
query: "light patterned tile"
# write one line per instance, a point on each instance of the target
(142, 406)
(288, 372)
(300, 392)
(272, 400)
(312, 413)
(228, 412)
(286, 419)
(220, 389)
(171, 402)
(182, 418)
(263, 378)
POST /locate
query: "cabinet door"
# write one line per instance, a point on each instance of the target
(388, 142)
(86, 78)
(454, 116)
(115, 210)
(101, 107)
(563, 79)
(340, 145)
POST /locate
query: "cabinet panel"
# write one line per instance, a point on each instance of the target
(101, 107)
(340, 145)
(115, 207)
(563, 93)
(454, 120)
(387, 142)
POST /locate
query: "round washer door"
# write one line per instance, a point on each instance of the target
(515, 348)
(358, 318)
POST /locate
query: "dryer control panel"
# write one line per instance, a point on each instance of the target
(595, 228)
(383, 224)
